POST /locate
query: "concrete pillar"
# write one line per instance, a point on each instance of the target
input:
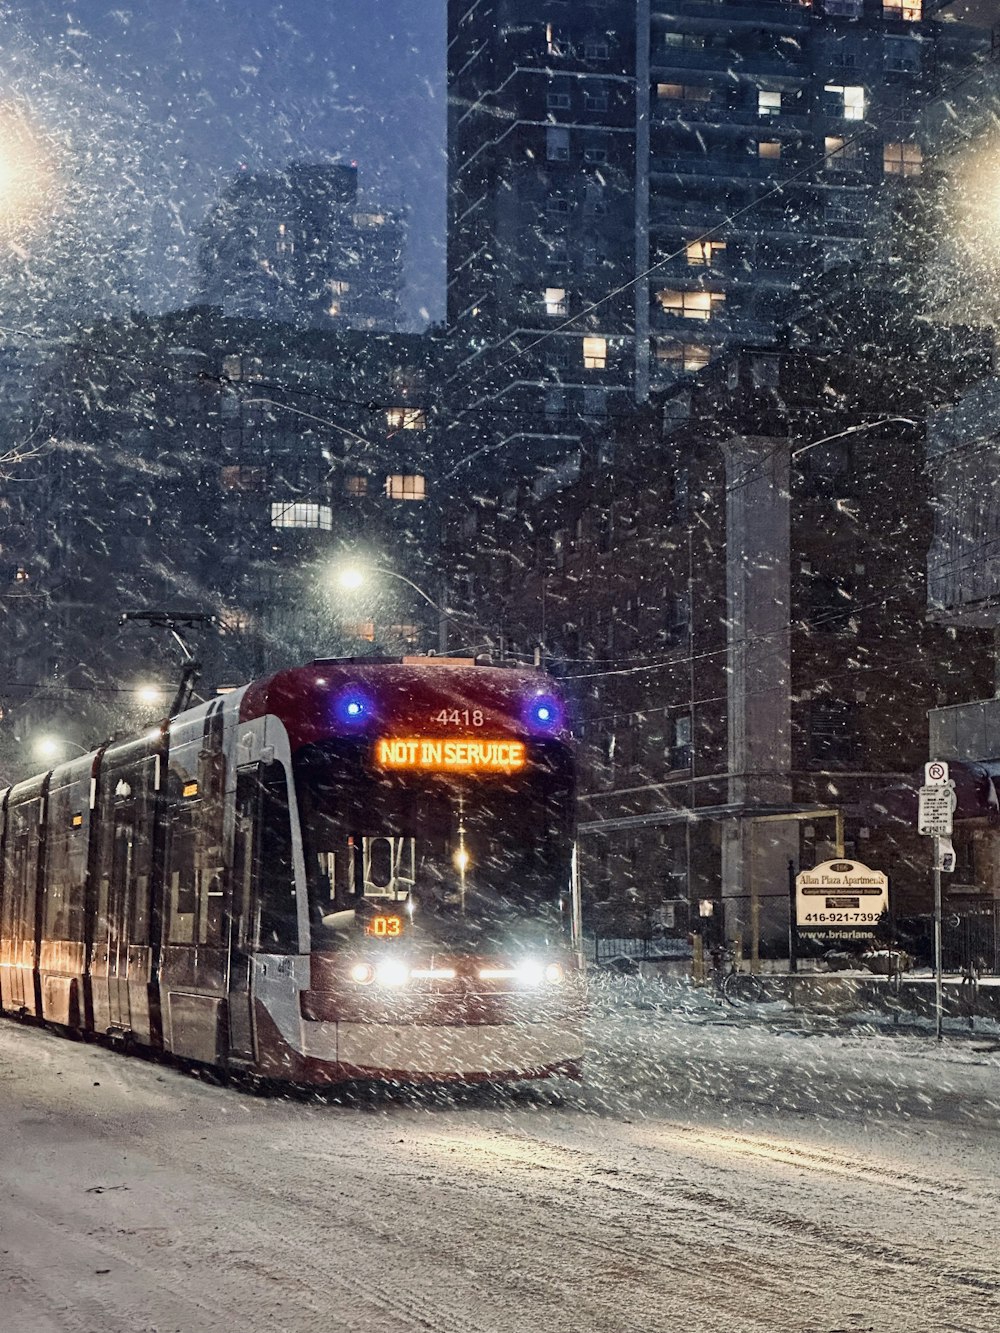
(758, 590)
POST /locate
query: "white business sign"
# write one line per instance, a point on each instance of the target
(840, 898)
(935, 808)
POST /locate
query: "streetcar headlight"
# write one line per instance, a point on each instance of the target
(392, 972)
(554, 973)
(362, 973)
(530, 973)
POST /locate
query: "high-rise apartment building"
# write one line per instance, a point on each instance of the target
(301, 246)
(669, 175)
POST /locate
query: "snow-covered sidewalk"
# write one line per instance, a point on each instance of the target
(677, 1044)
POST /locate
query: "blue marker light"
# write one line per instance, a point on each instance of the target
(353, 707)
(544, 713)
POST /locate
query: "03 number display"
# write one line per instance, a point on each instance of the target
(385, 927)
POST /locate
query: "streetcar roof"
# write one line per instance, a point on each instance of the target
(334, 697)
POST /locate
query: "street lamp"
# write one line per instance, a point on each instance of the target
(352, 578)
(149, 695)
(51, 747)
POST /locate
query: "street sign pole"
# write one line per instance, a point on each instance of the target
(938, 998)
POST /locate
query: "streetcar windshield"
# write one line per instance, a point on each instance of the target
(481, 861)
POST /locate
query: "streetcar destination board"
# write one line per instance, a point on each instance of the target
(843, 899)
(450, 756)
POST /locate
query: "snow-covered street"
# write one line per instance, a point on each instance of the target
(712, 1174)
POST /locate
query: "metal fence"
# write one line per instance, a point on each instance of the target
(639, 949)
(970, 938)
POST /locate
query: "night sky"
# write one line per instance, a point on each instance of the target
(199, 87)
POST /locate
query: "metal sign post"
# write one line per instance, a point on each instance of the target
(934, 820)
(938, 976)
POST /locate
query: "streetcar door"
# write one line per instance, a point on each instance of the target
(122, 873)
(21, 858)
(241, 1029)
(109, 986)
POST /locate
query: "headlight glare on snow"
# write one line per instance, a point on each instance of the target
(392, 972)
(530, 973)
(554, 973)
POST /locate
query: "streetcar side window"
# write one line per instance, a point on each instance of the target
(181, 882)
(277, 921)
(195, 879)
(21, 871)
(65, 867)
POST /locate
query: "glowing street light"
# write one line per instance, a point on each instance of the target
(53, 747)
(149, 695)
(352, 578)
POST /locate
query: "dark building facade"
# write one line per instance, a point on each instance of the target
(733, 590)
(223, 466)
(634, 187)
(302, 246)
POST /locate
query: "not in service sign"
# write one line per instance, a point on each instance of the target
(844, 900)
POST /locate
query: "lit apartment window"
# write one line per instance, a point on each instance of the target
(555, 301)
(557, 144)
(360, 629)
(841, 154)
(338, 290)
(690, 305)
(408, 632)
(401, 486)
(769, 148)
(847, 100)
(301, 514)
(902, 159)
(405, 418)
(683, 356)
(356, 486)
(595, 353)
(768, 104)
(910, 11)
(553, 45)
(708, 254)
(684, 92)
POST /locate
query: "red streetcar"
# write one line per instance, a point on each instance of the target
(350, 870)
